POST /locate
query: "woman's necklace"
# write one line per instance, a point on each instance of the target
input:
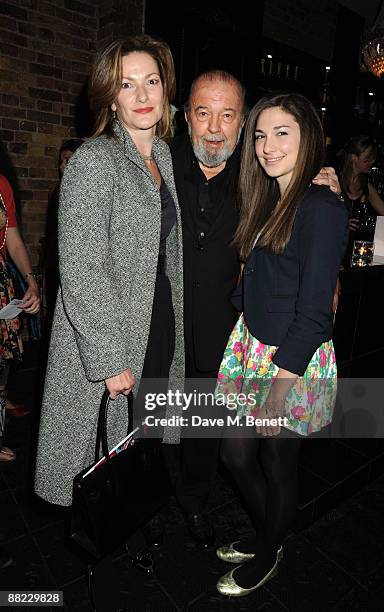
(147, 157)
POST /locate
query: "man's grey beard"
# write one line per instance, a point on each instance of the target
(213, 159)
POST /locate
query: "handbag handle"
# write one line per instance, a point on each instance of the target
(101, 436)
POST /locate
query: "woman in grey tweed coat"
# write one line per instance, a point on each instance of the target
(118, 204)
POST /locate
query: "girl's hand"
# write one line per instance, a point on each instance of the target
(270, 410)
(354, 224)
(274, 405)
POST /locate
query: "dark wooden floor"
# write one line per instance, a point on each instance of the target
(333, 558)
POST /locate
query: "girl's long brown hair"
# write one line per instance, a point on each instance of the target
(106, 76)
(260, 207)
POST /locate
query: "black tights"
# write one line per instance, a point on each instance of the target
(265, 470)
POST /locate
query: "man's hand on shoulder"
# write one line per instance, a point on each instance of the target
(327, 176)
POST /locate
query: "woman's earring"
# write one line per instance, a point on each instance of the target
(113, 115)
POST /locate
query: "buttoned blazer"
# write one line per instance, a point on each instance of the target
(109, 233)
(287, 298)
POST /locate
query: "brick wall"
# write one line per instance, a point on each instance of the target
(46, 48)
(117, 20)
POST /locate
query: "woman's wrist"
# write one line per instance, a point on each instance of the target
(30, 278)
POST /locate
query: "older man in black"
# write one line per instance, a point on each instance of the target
(206, 166)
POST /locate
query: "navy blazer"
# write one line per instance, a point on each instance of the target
(287, 298)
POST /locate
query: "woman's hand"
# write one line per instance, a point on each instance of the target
(354, 224)
(19, 255)
(327, 176)
(121, 383)
(31, 298)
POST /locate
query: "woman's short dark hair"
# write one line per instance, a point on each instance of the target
(106, 75)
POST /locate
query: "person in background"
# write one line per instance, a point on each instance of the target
(12, 244)
(206, 165)
(292, 235)
(50, 256)
(357, 157)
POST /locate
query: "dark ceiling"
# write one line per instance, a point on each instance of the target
(367, 9)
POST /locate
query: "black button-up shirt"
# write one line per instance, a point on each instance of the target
(208, 196)
(211, 264)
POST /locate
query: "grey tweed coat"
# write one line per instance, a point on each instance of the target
(109, 234)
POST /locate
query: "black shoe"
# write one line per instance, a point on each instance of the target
(143, 561)
(154, 532)
(201, 530)
(5, 558)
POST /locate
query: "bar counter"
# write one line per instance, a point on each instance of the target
(359, 324)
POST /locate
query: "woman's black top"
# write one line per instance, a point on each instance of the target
(168, 215)
(361, 209)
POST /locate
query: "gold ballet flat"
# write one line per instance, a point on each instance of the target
(229, 554)
(226, 585)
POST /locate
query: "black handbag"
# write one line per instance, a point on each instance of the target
(121, 494)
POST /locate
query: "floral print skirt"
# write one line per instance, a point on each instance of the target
(247, 369)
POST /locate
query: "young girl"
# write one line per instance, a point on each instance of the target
(292, 235)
